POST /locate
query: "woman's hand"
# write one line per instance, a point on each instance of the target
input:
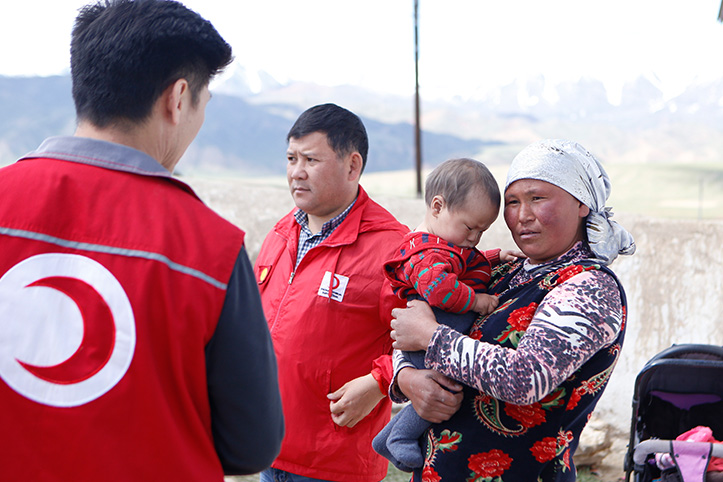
(413, 326)
(434, 397)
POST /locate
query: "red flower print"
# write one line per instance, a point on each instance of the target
(520, 318)
(564, 438)
(545, 450)
(448, 438)
(430, 475)
(518, 321)
(528, 415)
(574, 399)
(566, 459)
(489, 464)
(567, 273)
(554, 399)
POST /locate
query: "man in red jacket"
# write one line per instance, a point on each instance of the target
(328, 304)
(133, 345)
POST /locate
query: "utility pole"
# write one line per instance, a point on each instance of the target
(417, 128)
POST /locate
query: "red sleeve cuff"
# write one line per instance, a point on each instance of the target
(493, 256)
(383, 372)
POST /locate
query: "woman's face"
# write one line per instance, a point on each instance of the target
(545, 221)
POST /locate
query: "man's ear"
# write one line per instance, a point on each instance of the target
(356, 163)
(174, 97)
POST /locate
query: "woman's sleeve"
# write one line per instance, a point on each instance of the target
(400, 360)
(572, 323)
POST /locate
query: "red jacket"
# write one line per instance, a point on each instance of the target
(445, 275)
(321, 342)
(136, 404)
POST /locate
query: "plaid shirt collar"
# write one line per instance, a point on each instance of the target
(309, 240)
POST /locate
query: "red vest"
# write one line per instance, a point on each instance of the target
(110, 293)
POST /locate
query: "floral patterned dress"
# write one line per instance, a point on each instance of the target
(533, 371)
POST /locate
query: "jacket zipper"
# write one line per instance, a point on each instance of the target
(291, 278)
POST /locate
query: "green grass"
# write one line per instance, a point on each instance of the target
(396, 475)
(673, 191)
(583, 475)
(668, 190)
(393, 475)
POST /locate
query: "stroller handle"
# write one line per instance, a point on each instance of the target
(653, 446)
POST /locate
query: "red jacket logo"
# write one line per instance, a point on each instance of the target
(337, 286)
(68, 329)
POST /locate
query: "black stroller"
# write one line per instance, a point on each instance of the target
(679, 389)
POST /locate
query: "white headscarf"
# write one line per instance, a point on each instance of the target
(571, 167)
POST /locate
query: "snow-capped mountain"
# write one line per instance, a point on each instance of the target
(241, 81)
(247, 121)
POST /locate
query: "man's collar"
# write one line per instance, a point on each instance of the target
(99, 153)
(303, 218)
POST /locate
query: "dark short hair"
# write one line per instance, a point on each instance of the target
(124, 54)
(344, 130)
(455, 179)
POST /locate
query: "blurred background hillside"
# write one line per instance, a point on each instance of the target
(665, 155)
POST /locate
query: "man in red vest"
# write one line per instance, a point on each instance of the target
(133, 344)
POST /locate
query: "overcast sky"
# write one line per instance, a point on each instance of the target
(466, 46)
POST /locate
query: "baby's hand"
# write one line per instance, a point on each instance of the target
(510, 255)
(484, 303)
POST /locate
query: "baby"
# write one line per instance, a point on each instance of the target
(439, 262)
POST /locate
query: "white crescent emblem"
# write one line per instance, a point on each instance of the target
(67, 331)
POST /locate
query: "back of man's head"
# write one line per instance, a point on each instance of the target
(344, 130)
(125, 53)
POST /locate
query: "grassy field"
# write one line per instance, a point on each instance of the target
(394, 475)
(661, 190)
(668, 190)
(674, 191)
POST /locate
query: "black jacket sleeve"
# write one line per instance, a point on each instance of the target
(246, 416)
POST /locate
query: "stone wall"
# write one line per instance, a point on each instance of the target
(674, 282)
